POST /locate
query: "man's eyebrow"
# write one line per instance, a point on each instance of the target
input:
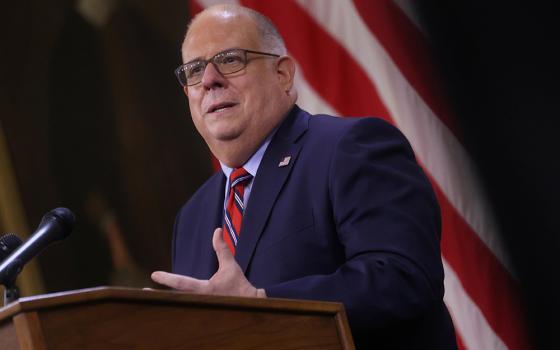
(195, 60)
(199, 58)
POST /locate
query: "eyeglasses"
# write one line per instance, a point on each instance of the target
(226, 62)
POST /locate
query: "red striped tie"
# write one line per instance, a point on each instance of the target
(238, 179)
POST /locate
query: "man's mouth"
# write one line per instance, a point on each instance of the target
(219, 107)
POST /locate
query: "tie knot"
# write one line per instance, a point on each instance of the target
(239, 176)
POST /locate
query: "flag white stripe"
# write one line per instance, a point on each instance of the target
(435, 146)
(469, 321)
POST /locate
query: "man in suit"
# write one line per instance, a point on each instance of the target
(307, 207)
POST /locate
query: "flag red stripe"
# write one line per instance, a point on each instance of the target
(407, 47)
(483, 277)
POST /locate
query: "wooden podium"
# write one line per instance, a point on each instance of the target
(121, 318)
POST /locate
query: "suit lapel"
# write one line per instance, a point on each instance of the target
(212, 217)
(269, 181)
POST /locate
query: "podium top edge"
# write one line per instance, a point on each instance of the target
(122, 294)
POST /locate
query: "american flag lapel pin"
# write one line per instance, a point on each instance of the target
(284, 161)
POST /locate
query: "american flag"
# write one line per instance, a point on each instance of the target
(371, 58)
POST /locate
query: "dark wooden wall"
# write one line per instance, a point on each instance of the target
(96, 122)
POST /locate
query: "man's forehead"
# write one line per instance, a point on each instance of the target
(210, 34)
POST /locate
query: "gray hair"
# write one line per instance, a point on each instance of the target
(271, 39)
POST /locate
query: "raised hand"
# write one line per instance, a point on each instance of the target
(228, 280)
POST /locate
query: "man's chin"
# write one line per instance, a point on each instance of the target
(225, 135)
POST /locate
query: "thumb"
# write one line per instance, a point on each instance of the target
(220, 247)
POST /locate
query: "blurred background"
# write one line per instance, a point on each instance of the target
(92, 118)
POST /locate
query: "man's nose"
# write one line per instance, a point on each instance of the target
(212, 78)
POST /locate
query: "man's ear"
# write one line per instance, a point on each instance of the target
(186, 90)
(286, 71)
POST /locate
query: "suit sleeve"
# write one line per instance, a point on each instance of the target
(388, 221)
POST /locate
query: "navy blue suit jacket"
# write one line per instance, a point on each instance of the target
(352, 218)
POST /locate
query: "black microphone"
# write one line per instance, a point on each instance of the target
(8, 243)
(55, 225)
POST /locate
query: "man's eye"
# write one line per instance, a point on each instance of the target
(195, 70)
(230, 59)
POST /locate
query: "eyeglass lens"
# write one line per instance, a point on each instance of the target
(227, 62)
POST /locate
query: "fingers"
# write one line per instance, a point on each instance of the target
(228, 280)
(221, 248)
(179, 282)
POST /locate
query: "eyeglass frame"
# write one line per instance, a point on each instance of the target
(179, 70)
